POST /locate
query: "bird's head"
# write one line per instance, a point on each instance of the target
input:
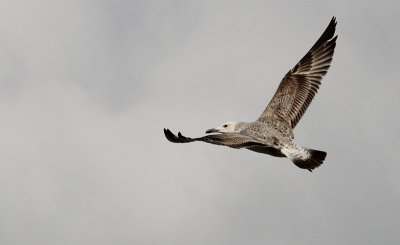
(228, 127)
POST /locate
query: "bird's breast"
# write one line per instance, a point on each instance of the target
(272, 133)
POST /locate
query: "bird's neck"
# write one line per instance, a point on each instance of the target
(240, 126)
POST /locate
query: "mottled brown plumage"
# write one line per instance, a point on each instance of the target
(272, 132)
(299, 86)
(232, 140)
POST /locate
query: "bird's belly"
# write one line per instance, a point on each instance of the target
(275, 127)
(267, 138)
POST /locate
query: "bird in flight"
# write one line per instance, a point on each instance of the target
(272, 132)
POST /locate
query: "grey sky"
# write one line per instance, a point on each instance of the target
(86, 88)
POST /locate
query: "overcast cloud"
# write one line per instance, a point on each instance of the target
(86, 88)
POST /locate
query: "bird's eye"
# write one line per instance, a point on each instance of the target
(225, 126)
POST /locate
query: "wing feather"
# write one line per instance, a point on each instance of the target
(299, 86)
(232, 140)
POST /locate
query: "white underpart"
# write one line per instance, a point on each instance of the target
(294, 151)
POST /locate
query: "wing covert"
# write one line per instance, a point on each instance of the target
(299, 86)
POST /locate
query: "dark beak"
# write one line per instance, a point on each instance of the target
(211, 130)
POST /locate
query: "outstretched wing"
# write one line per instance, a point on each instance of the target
(299, 86)
(231, 140)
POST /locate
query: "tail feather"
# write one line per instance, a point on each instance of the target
(315, 160)
(305, 158)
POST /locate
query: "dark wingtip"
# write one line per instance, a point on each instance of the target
(169, 135)
(333, 21)
(327, 34)
(176, 139)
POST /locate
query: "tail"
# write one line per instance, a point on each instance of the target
(303, 157)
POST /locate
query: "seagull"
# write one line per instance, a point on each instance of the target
(272, 132)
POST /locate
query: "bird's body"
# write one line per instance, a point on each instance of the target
(272, 132)
(268, 131)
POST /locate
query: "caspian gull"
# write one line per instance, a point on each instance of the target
(272, 132)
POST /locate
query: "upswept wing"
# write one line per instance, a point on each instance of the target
(299, 86)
